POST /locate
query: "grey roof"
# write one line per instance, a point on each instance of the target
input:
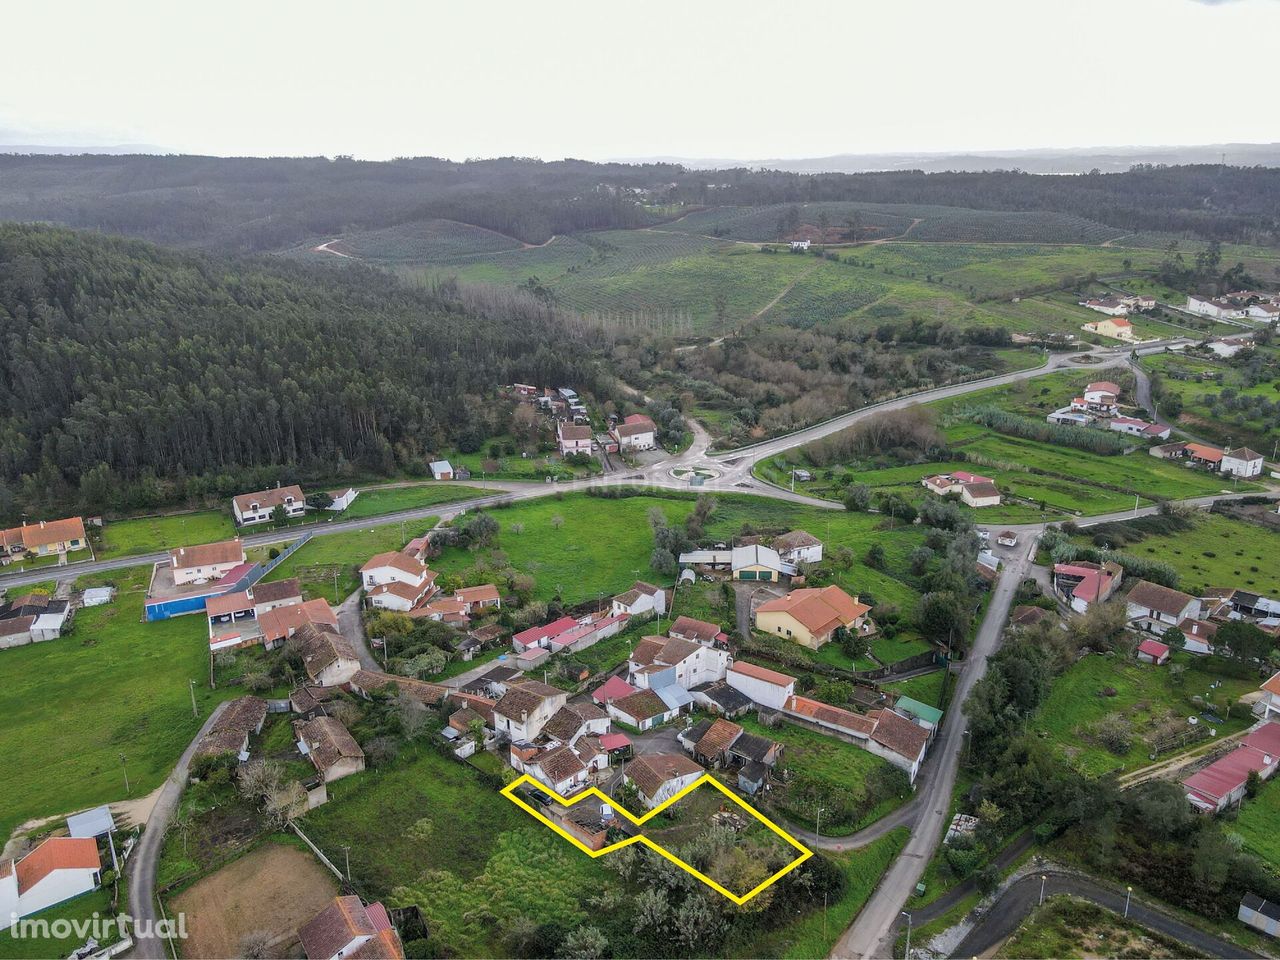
(1255, 903)
(729, 699)
(674, 696)
(91, 823)
(752, 746)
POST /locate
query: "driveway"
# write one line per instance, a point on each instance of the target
(351, 624)
(141, 869)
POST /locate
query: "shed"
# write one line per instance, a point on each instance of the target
(1153, 651)
(91, 823)
(97, 596)
(441, 470)
(918, 713)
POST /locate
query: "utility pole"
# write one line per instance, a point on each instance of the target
(125, 767)
(907, 952)
(817, 827)
(195, 710)
(347, 853)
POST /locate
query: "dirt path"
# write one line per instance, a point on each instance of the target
(328, 248)
(785, 290)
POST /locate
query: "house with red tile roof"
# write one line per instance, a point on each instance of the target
(573, 438)
(58, 869)
(250, 508)
(1155, 608)
(43, 538)
(348, 930)
(974, 490)
(636, 432)
(1085, 582)
(659, 776)
(396, 581)
(615, 688)
(810, 616)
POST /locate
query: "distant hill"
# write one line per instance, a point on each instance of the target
(1065, 160)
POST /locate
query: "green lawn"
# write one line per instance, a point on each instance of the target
(373, 503)
(315, 562)
(1216, 552)
(927, 688)
(1256, 824)
(1143, 694)
(1254, 426)
(1067, 927)
(81, 908)
(113, 686)
(126, 538)
(483, 863)
(809, 753)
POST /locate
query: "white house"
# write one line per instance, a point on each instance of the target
(1213, 307)
(643, 709)
(636, 432)
(643, 598)
(1155, 609)
(525, 708)
(1138, 428)
(257, 507)
(1264, 312)
(346, 928)
(798, 546)
(396, 581)
(975, 490)
(559, 768)
(573, 438)
(57, 870)
(764, 686)
(660, 776)
(441, 470)
(1270, 701)
(1242, 462)
(657, 662)
(207, 561)
(799, 244)
(1111, 306)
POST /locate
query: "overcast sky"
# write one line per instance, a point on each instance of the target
(694, 78)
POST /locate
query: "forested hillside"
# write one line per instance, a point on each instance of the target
(251, 204)
(132, 375)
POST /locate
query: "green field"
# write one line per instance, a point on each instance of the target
(1200, 383)
(602, 546)
(844, 766)
(1145, 695)
(418, 241)
(315, 562)
(1216, 552)
(927, 688)
(112, 686)
(1256, 824)
(376, 502)
(127, 538)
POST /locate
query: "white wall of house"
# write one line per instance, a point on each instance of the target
(58, 886)
(761, 691)
(1154, 621)
(206, 571)
(1241, 467)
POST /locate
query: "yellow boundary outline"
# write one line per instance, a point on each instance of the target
(805, 853)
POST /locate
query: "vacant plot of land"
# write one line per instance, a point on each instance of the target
(927, 688)
(1066, 927)
(1218, 402)
(123, 538)
(273, 891)
(80, 909)
(113, 686)
(1144, 697)
(1256, 824)
(1217, 551)
(373, 503)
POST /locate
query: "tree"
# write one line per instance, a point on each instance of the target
(1173, 638)
(1242, 640)
(663, 561)
(426, 664)
(857, 499)
(1252, 784)
(943, 618)
(256, 944)
(319, 500)
(278, 516)
(557, 522)
(875, 557)
(585, 943)
(411, 713)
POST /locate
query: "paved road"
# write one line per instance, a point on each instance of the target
(1013, 906)
(142, 865)
(871, 934)
(351, 624)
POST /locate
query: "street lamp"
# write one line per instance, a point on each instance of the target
(817, 826)
(1043, 878)
(195, 711)
(907, 952)
(1128, 892)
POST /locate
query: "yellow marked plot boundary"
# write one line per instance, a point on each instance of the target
(805, 853)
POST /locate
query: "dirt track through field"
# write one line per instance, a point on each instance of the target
(274, 889)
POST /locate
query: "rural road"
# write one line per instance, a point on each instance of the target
(871, 934)
(1020, 899)
(141, 869)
